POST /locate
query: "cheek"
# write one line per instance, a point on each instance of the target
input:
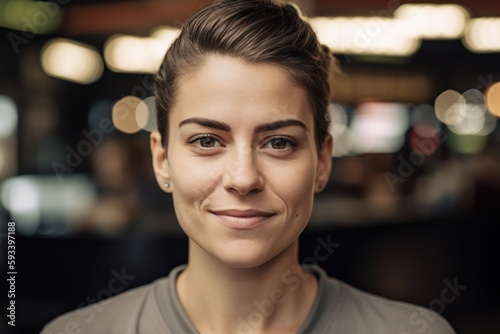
(294, 184)
(192, 181)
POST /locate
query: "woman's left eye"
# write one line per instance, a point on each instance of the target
(281, 143)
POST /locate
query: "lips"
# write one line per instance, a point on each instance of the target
(242, 219)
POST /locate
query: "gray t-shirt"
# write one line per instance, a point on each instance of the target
(338, 308)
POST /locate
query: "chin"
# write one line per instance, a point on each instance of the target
(246, 257)
(242, 260)
(243, 263)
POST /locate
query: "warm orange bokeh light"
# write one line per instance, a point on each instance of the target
(493, 99)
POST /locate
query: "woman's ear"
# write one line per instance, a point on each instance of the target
(324, 164)
(160, 162)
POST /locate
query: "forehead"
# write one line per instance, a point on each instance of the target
(224, 86)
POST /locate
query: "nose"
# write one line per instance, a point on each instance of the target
(242, 174)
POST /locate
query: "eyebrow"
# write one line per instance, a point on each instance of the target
(280, 124)
(210, 123)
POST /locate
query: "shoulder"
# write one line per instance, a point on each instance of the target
(119, 314)
(358, 311)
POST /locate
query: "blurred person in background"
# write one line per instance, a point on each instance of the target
(116, 178)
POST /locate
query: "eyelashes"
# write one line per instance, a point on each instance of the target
(279, 144)
(204, 141)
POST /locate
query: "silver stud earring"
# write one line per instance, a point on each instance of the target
(166, 184)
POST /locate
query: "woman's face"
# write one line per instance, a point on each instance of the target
(241, 160)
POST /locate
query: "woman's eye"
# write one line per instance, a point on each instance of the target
(207, 142)
(281, 143)
(204, 141)
(278, 143)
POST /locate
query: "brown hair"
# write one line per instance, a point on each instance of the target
(258, 31)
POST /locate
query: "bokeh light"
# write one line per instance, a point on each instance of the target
(72, 61)
(481, 35)
(493, 99)
(424, 139)
(339, 129)
(366, 35)
(473, 118)
(425, 134)
(42, 204)
(8, 116)
(166, 33)
(145, 114)
(466, 144)
(133, 54)
(38, 17)
(379, 127)
(22, 199)
(434, 20)
(123, 114)
(2, 159)
(450, 107)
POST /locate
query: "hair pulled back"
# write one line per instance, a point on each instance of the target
(257, 31)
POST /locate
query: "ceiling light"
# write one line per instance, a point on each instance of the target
(434, 21)
(132, 54)
(366, 35)
(481, 35)
(72, 61)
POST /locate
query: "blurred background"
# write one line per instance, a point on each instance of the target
(413, 199)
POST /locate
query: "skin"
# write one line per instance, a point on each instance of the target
(243, 168)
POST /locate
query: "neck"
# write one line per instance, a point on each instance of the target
(273, 297)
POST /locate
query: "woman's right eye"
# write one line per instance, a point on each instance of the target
(204, 141)
(207, 142)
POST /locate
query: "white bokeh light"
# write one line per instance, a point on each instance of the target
(8, 116)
